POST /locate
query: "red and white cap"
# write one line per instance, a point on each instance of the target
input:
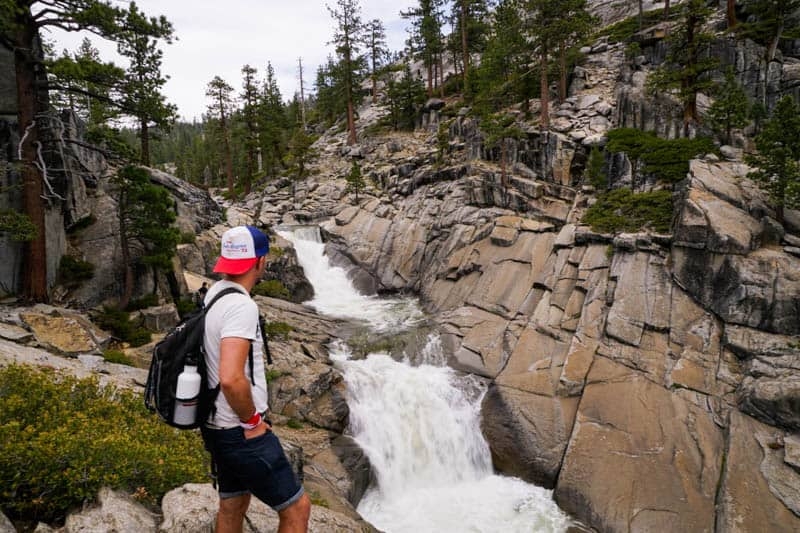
(241, 248)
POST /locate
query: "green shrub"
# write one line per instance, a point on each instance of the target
(624, 29)
(117, 356)
(277, 330)
(185, 306)
(595, 171)
(294, 423)
(621, 210)
(83, 223)
(273, 374)
(667, 160)
(187, 237)
(119, 323)
(272, 288)
(62, 439)
(148, 300)
(72, 271)
(277, 251)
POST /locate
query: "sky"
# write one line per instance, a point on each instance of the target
(219, 37)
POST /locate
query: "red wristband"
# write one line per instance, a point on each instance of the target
(252, 422)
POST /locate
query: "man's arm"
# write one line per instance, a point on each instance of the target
(234, 384)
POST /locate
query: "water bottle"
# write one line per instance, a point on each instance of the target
(186, 396)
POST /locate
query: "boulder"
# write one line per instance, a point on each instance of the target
(116, 511)
(758, 492)
(639, 457)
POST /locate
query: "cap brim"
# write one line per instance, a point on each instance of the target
(234, 266)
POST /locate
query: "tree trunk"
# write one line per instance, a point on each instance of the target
(351, 123)
(34, 266)
(562, 68)
(226, 145)
(125, 252)
(145, 142)
(464, 49)
(666, 9)
(544, 113)
(441, 75)
(731, 13)
(430, 78)
(641, 15)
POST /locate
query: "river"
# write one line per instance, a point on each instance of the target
(418, 421)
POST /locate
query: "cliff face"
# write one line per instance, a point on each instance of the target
(651, 380)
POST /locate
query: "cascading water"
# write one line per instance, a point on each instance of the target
(419, 424)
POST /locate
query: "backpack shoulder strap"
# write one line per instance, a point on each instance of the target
(223, 292)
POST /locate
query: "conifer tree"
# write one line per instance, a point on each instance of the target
(470, 27)
(544, 28)
(355, 180)
(272, 123)
(141, 93)
(729, 110)
(500, 77)
(426, 21)
(299, 154)
(146, 215)
(20, 24)
(377, 51)
(688, 63)
(249, 98)
(220, 110)
(574, 24)
(405, 97)
(778, 156)
(348, 38)
(767, 22)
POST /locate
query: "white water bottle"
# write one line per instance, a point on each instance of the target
(186, 396)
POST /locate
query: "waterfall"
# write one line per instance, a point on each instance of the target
(419, 424)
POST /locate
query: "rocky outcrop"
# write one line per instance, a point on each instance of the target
(623, 370)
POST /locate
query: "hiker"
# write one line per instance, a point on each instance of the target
(246, 454)
(200, 297)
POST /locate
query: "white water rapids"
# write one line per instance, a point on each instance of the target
(419, 425)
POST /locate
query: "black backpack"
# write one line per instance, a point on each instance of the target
(181, 346)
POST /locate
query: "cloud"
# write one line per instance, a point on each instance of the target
(217, 38)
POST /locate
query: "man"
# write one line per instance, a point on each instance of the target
(248, 457)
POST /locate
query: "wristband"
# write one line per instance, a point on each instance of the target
(252, 422)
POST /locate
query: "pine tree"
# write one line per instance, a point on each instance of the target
(426, 21)
(573, 26)
(355, 180)
(767, 22)
(778, 156)
(348, 37)
(730, 108)
(220, 111)
(142, 96)
(470, 29)
(146, 217)
(544, 27)
(272, 123)
(20, 24)
(500, 77)
(249, 98)
(377, 52)
(300, 153)
(405, 97)
(688, 64)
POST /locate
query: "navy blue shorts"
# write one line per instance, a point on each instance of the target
(256, 466)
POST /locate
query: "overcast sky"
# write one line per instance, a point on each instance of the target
(218, 37)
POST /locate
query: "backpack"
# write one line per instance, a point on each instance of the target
(181, 346)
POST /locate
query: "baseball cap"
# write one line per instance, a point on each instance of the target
(241, 248)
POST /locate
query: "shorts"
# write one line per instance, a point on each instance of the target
(255, 466)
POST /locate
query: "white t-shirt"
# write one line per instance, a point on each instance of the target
(233, 315)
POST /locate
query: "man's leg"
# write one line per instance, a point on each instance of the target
(230, 518)
(294, 519)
